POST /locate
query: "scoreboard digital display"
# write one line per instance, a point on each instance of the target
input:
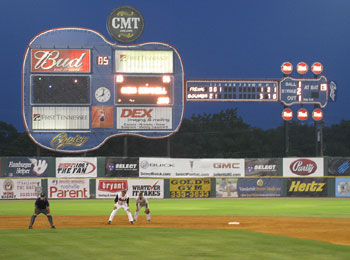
(75, 98)
(144, 90)
(236, 90)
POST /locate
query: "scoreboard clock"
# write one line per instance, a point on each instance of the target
(80, 90)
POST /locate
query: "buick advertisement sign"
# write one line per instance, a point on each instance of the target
(27, 167)
(338, 166)
(303, 167)
(255, 187)
(261, 167)
(122, 167)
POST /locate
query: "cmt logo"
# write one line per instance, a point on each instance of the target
(226, 165)
(136, 113)
(126, 23)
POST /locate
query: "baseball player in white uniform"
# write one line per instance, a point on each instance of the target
(121, 202)
(141, 202)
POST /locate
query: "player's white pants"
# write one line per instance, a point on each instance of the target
(137, 214)
(118, 206)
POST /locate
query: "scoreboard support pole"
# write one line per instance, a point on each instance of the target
(168, 147)
(125, 146)
(317, 136)
(286, 137)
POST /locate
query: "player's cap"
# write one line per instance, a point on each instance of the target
(124, 190)
(42, 194)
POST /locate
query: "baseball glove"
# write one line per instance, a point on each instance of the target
(147, 211)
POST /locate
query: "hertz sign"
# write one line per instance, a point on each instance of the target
(80, 90)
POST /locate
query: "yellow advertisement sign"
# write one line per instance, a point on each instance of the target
(190, 188)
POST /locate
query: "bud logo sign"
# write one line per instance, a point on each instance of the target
(61, 60)
(76, 167)
(303, 167)
(144, 118)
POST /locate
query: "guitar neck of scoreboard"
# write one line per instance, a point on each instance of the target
(233, 91)
(288, 91)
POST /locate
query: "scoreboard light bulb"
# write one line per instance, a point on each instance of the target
(120, 79)
(163, 100)
(166, 79)
(75, 81)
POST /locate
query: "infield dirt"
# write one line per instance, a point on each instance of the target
(332, 230)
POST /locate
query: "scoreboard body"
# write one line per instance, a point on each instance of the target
(78, 90)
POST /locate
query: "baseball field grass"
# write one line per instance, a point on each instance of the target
(113, 242)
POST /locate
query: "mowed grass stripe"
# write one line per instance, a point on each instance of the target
(149, 243)
(338, 208)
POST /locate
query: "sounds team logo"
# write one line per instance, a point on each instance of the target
(36, 117)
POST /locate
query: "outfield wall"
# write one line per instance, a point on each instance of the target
(104, 177)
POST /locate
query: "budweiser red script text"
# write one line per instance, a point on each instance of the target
(303, 167)
(58, 60)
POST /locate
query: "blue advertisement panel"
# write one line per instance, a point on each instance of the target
(342, 187)
(80, 90)
(27, 167)
(263, 187)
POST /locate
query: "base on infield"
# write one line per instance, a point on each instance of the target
(233, 223)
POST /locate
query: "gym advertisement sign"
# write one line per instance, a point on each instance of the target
(122, 167)
(255, 187)
(307, 187)
(190, 188)
(27, 167)
(338, 166)
(261, 167)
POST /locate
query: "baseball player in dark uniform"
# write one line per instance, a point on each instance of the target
(41, 206)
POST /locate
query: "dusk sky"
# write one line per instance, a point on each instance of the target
(221, 39)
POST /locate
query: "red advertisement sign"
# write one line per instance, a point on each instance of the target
(60, 61)
(112, 185)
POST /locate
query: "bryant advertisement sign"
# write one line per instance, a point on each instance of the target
(79, 90)
(76, 167)
(19, 188)
(27, 167)
(307, 187)
(169, 167)
(190, 188)
(109, 188)
(338, 166)
(255, 187)
(122, 167)
(262, 167)
(303, 167)
(68, 188)
(342, 187)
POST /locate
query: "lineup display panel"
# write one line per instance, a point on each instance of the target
(73, 98)
(235, 90)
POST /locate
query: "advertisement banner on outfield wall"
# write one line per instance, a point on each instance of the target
(19, 188)
(68, 188)
(27, 167)
(342, 187)
(261, 167)
(122, 167)
(76, 167)
(190, 188)
(109, 188)
(259, 187)
(168, 167)
(338, 166)
(307, 187)
(303, 167)
(226, 188)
